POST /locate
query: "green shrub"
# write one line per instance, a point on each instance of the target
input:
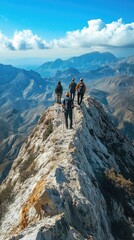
(28, 168)
(16, 163)
(34, 131)
(42, 118)
(31, 150)
(27, 145)
(27, 163)
(6, 197)
(119, 181)
(48, 130)
(122, 230)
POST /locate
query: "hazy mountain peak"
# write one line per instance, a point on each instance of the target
(70, 184)
(83, 62)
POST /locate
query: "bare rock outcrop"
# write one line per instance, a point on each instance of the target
(70, 184)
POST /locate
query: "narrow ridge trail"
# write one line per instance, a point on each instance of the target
(58, 180)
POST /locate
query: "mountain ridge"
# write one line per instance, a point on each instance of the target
(71, 184)
(25, 95)
(82, 63)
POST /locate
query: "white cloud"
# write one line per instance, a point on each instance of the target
(22, 40)
(25, 39)
(5, 43)
(96, 34)
(115, 34)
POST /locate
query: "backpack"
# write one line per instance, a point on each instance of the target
(72, 86)
(68, 104)
(81, 88)
(58, 89)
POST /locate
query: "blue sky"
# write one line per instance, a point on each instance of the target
(51, 29)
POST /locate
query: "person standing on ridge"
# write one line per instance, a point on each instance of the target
(59, 91)
(68, 109)
(81, 89)
(72, 88)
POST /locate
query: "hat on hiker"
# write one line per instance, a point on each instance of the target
(73, 79)
(67, 94)
(81, 79)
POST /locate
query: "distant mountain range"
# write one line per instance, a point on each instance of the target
(82, 63)
(90, 66)
(25, 94)
(117, 95)
(23, 97)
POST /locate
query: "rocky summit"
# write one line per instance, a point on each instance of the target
(70, 184)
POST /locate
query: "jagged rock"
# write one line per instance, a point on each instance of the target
(70, 184)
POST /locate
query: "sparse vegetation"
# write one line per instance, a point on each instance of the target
(6, 197)
(47, 121)
(6, 193)
(54, 139)
(27, 145)
(42, 118)
(119, 181)
(48, 130)
(17, 163)
(31, 150)
(119, 190)
(26, 140)
(27, 162)
(34, 131)
(122, 230)
(28, 168)
(52, 158)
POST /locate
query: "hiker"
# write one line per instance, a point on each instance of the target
(81, 88)
(58, 91)
(72, 88)
(68, 112)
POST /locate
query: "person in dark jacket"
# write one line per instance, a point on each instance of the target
(72, 88)
(81, 88)
(68, 109)
(59, 91)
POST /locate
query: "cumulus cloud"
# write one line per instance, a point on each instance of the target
(22, 40)
(25, 39)
(5, 43)
(96, 34)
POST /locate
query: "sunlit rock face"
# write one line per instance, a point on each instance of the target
(70, 184)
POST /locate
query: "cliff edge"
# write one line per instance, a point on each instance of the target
(70, 184)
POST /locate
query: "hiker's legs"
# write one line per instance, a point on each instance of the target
(81, 97)
(78, 96)
(73, 95)
(66, 119)
(59, 98)
(71, 118)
